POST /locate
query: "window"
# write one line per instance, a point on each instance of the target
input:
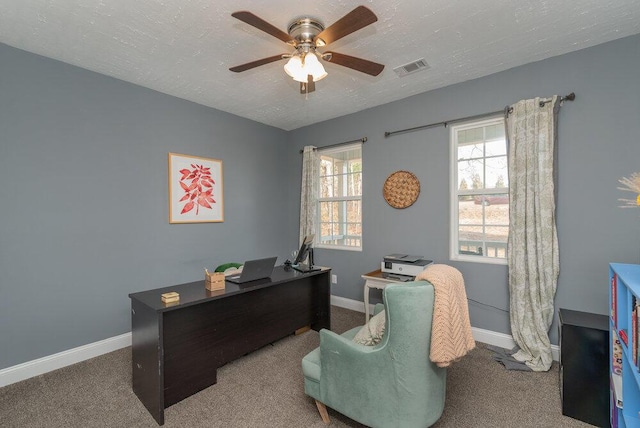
(479, 192)
(340, 201)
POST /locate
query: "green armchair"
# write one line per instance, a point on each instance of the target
(391, 384)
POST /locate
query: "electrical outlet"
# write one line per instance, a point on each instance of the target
(334, 279)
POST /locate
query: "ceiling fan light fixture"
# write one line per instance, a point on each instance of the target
(296, 69)
(293, 67)
(314, 67)
(299, 71)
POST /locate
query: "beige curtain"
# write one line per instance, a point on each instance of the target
(533, 256)
(309, 191)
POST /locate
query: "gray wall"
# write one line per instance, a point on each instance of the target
(598, 144)
(84, 204)
(83, 200)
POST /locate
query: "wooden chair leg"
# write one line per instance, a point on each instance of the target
(323, 412)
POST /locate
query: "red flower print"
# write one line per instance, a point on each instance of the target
(198, 188)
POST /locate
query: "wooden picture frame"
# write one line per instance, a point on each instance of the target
(195, 189)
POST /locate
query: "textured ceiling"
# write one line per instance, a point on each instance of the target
(185, 47)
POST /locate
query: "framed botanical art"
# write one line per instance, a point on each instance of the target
(195, 189)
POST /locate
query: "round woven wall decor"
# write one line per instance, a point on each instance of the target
(401, 189)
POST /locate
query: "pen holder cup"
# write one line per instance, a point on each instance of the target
(214, 281)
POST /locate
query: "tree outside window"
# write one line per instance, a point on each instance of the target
(480, 192)
(340, 201)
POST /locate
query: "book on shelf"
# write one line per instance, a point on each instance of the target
(616, 355)
(636, 324)
(616, 380)
(623, 336)
(614, 299)
(634, 331)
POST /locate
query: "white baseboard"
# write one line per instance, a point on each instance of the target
(354, 305)
(66, 358)
(62, 359)
(481, 335)
(504, 340)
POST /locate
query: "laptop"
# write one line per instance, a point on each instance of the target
(253, 270)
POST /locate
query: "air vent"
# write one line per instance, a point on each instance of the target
(412, 67)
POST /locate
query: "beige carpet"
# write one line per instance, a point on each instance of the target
(264, 389)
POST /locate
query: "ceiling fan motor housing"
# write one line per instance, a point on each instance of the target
(305, 30)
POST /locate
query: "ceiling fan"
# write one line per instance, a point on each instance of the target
(306, 35)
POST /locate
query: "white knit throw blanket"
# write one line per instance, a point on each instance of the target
(451, 336)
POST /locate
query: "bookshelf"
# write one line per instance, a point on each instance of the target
(624, 303)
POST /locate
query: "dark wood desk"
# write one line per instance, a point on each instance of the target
(178, 347)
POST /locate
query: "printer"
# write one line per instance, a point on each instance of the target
(403, 264)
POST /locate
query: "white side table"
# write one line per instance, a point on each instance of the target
(374, 280)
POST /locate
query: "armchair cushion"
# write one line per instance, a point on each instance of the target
(371, 333)
(377, 308)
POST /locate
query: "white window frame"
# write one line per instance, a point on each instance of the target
(318, 240)
(453, 192)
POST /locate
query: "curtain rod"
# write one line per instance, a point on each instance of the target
(570, 97)
(362, 140)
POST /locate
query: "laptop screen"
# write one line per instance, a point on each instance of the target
(254, 269)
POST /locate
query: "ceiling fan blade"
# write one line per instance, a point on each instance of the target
(257, 63)
(308, 86)
(363, 65)
(358, 18)
(263, 25)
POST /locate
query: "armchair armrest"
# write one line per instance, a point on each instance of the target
(351, 370)
(354, 377)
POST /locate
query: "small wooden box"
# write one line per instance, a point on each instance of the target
(214, 281)
(170, 297)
